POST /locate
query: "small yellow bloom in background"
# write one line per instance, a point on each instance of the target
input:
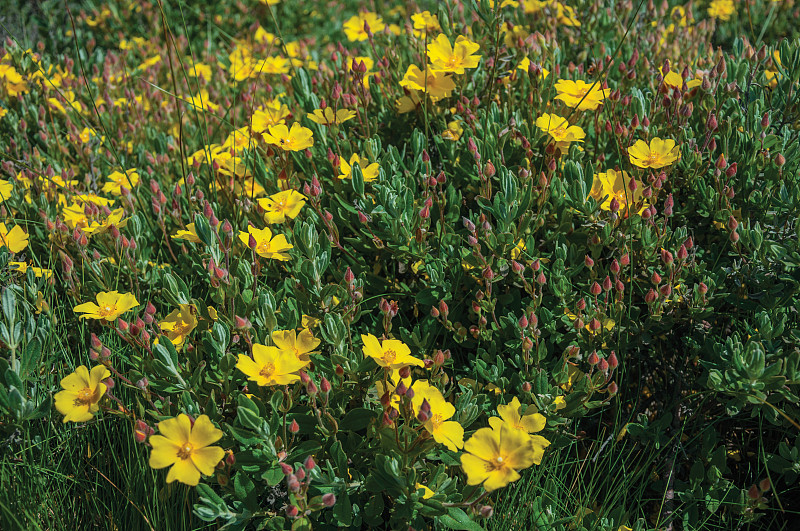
(390, 353)
(444, 431)
(721, 9)
(297, 138)
(370, 172)
(270, 2)
(201, 102)
(22, 267)
(455, 58)
(265, 245)
(190, 234)
(327, 116)
(286, 204)
(110, 305)
(672, 79)
(78, 402)
(566, 15)
(427, 493)
(525, 66)
(114, 219)
(301, 345)
(617, 185)
(41, 304)
(186, 448)
(88, 134)
(453, 131)
(273, 113)
(408, 103)
(179, 323)
(495, 456)
(5, 190)
(658, 154)
(425, 24)
(580, 94)
(14, 239)
(198, 69)
(560, 130)
(437, 84)
(117, 180)
(529, 423)
(3, 112)
(355, 27)
(309, 321)
(270, 366)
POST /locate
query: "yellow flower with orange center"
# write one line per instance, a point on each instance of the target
(580, 94)
(297, 138)
(78, 402)
(185, 448)
(110, 305)
(658, 154)
(390, 353)
(454, 58)
(263, 243)
(271, 366)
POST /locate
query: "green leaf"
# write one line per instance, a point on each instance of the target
(457, 519)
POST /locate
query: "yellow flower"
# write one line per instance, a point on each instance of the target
(355, 28)
(494, 456)
(301, 345)
(584, 96)
(327, 116)
(658, 154)
(525, 64)
(606, 322)
(427, 493)
(309, 321)
(265, 245)
(425, 23)
(14, 239)
(110, 305)
(82, 391)
(370, 172)
(99, 227)
(5, 190)
(560, 130)
(455, 59)
(186, 448)
(285, 204)
(3, 112)
(436, 84)
(390, 353)
(273, 113)
(270, 366)
(199, 69)
(201, 102)
(566, 15)
(22, 267)
(453, 131)
(528, 423)
(190, 235)
(408, 103)
(296, 139)
(721, 9)
(616, 184)
(88, 134)
(41, 304)
(672, 79)
(444, 431)
(117, 180)
(179, 323)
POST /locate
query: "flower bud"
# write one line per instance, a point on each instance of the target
(526, 387)
(595, 289)
(613, 362)
(613, 388)
(294, 427)
(489, 169)
(588, 261)
(329, 499)
(593, 358)
(292, 511)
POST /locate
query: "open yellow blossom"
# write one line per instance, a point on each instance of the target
(672, 79)
(327, 116)
(186, 448)
(270, 366)
(453, 58)
(560, 130)
(658, 154)
(454, 131)
(529, 423)
(179, 323)
(117, 180)
(14, 239)
(437, 84)
(721, 9)
(78, 402)
(494, 456)
(525, 65)
(114, 219)
(273, 113)
(426, 492)
(580, 94)
(265, 245)
(425, 24)
(390, 353)
(201, 102)
(5, 190)
(301, 345)
(617, 185)
(22, 267)
(356, 27)
(190, 234)
(88, 134)
(110, 305)
(370, 171)
(447, 432)
(285, 204)
(297, 138)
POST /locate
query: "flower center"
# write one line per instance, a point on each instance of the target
(263, 247)
(84, 397)
(436, 421)
(453, 60)
(653, 157)
(389, 356)
(185, 451)
(495, 464)
(268, 370)
(106, 310)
